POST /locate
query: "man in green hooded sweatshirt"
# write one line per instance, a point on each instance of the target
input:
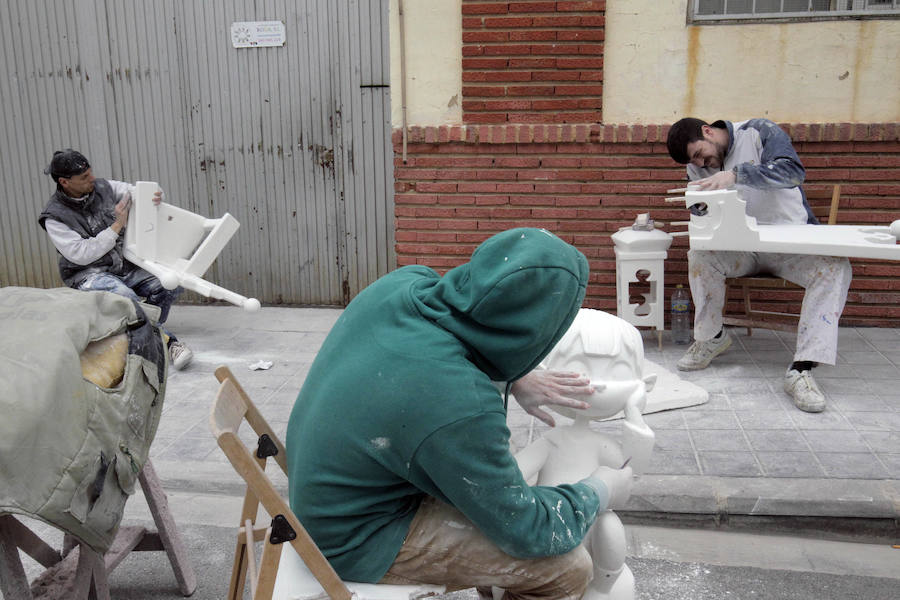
(398, 450)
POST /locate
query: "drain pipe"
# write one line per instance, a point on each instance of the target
(402, 78)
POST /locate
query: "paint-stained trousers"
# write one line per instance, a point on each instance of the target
(444, 548)
(826, 279)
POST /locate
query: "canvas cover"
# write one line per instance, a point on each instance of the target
(70, 451)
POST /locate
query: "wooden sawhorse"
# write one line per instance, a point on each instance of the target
(80, 573)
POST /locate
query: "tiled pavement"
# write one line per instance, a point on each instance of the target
(747, 450)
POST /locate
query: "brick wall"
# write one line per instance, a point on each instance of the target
(461, 184)
(532, 61)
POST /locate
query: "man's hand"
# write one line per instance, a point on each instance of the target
(121, 210)
(719, 181)
(157, 197)
(551, 387)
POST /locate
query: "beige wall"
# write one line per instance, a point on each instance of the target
(433, 32)
(656, 69)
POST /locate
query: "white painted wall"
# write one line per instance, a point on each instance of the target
(433, 31)
(657, 70)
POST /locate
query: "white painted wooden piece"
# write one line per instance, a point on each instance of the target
(726, 226)
(178, 246)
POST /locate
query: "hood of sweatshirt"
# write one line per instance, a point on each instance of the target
(511, 302)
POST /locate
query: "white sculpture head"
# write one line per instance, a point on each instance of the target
(610, 351)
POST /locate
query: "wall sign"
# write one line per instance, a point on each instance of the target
(257, 34)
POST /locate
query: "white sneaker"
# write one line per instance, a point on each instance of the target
(700, 354)
(180, 355)
(802, 389)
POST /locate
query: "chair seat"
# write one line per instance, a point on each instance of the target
(296, 582)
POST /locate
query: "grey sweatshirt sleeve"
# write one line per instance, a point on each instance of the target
(779, 167)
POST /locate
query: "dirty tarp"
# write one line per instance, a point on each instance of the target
(70, 451)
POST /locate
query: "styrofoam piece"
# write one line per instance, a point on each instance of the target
(641, 251)
(726, 226)
(294, 581)
(610, 351)
(178, 246)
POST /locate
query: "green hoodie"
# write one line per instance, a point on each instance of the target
(399, 404)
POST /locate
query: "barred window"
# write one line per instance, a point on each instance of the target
(731, 11)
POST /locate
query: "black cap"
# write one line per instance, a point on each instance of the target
(66, 163)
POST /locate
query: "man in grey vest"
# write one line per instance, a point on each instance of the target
(85, 219)
(758, 158)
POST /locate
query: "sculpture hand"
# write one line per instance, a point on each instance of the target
(541, 387)
(617, 484)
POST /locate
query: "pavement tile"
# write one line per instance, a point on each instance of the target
(729, 464)
(841, 385)
(869, 372)
(663, 462)
(756, 401)
(858, 465)
(668, 440)
(779, 440)
(790, 464)
(877, 334)
(836, 441)
(848, 403)
(840, 371)
(874, 421)
(883, 442)
(883, 387)
(668, 419)
(716, 401)
(729, 440)
(719, 419)
(827, 420)
(892, 463)
(765, 419)
(858, 357)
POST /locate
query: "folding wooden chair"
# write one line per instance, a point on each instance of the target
(767, 284)
(299, 566)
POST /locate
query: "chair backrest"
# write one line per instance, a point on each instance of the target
(230, 409)
(825, 211)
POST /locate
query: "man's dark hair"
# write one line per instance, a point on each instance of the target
(67, 163)
(682, 133)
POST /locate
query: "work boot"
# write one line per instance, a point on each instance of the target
(700, 354)
(802, 389)
(179, 355)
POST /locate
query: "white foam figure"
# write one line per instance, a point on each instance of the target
(178, 246)
(610, 351)
(725, 225)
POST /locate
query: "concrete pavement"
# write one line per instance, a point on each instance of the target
(748, 451)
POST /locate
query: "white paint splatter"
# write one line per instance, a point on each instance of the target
(381, 443)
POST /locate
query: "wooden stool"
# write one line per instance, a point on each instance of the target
(80, 573)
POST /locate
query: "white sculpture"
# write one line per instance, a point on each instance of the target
(725, 225)
(178, 246)
(610, 351)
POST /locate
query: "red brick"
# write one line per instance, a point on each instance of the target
(582, 6)
(475, 188)
(556, 21)
(579, 90)
(473, 91)
(425, 186)
(496, 8)
(485, 63)
(519, 7)
(472, 50)
(532, 36)
(592, 35)
(469, 37)
(530, 90)
(507, 50)
(484, 117)
(580, 63)
(507, 22)
(531, 63)
(556, 76)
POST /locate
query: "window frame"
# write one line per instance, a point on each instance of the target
(892, 12)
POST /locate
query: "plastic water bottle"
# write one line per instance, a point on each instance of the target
(681, 315)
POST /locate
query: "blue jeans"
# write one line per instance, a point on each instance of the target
(136, 284)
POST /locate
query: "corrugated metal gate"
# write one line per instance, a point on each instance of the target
(293, 141)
